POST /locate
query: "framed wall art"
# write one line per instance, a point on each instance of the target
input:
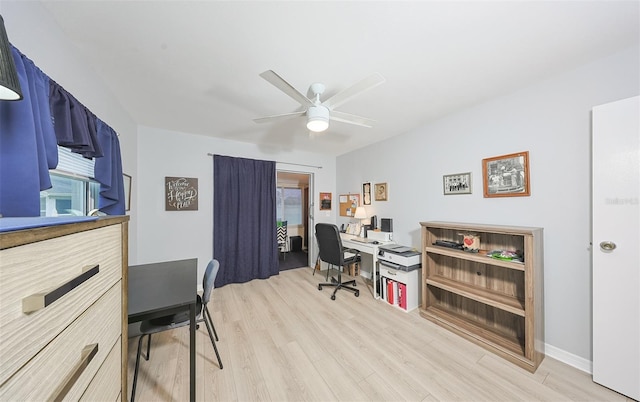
(325, 201)
(366, 193)
(381, 191)
(506, 175)
(459, 183)
(126, 179)
(180, 194)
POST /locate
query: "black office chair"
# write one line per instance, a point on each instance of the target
(332, 252)
(160, 324)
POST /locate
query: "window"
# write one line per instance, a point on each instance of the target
(73, 192)
(289, 205)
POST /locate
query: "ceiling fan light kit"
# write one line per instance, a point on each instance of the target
(319, 113)
(317, 118)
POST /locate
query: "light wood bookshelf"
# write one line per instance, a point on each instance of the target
(495, 303)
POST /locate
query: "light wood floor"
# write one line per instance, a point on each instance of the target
(283, 340)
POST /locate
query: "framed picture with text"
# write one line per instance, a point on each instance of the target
(180, 194)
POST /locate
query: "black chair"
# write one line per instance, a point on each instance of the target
(332, 252)
(283, 238)
(156, 325)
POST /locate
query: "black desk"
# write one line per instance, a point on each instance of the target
(166, 288)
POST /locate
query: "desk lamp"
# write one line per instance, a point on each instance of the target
(361, 214)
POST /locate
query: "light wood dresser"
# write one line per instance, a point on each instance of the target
(63, 312)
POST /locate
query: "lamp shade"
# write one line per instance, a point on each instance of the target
(9, 83)
(361, 213)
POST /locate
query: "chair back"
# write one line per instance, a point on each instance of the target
(282, 232)
(209, 279)
(329, 244)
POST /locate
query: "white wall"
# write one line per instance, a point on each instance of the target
(166, 235)
(36, 35)
(551, 120)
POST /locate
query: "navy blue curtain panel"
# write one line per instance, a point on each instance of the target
(244, 219)
(108, 171)
(27, 143)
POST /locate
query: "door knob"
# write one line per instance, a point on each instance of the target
(608, 246)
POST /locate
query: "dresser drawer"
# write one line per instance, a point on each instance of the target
(105, 386)
(40, 267)
(60, 364)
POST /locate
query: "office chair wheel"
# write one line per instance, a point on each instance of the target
(357, 293)
(319, 287)
(333, 297)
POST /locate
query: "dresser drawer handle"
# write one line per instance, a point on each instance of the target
(39, 301)
(87, 354)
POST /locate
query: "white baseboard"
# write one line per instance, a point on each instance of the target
(568, 358)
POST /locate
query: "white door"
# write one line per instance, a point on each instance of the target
(616, 246)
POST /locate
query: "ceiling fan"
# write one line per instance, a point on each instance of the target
(319, 113)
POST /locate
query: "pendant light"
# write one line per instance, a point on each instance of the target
(9, 83)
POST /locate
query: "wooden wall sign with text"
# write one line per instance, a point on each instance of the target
(180, 194)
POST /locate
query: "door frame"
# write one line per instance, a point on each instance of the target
(309, 204)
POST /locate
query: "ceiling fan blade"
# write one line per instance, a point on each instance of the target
(279, 117)
(285, 87)
(351, 119)
(341, 97)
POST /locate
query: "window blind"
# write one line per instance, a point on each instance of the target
(75, 164)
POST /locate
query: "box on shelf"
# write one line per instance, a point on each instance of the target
(353, 269)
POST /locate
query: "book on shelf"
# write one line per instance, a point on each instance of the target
(389, 291)
(402, 295)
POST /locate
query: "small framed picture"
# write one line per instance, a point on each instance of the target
(459, 183)
(126, 179)
(381, 191)
(366, 193)
(506, 175)
(325, 201)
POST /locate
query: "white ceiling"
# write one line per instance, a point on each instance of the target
(193, 66)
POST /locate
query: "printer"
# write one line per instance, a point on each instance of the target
(399, 257)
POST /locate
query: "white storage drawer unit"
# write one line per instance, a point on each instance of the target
(62, 310)
(411, 282)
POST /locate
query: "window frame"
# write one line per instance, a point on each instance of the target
(283, 218)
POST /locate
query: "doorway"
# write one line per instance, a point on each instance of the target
(294, 205)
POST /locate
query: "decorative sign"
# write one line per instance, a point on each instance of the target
(181, 194)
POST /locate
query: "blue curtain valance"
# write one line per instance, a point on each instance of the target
(30, 133)
(74, 124)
